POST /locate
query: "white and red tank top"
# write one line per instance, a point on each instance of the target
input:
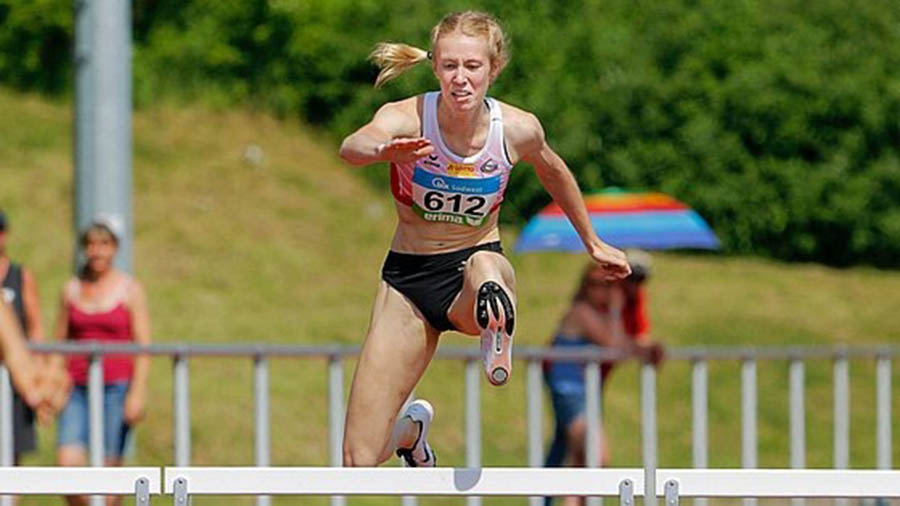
(444, 187)
(109, 324)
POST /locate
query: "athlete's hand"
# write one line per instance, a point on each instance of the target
(55, 385)
(405, 149)
(24, 376)
(611, 260)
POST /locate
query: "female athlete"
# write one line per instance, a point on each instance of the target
(451, 153)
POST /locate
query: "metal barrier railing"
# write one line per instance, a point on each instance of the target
(335, 355)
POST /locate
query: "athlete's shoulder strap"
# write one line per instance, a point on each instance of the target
(429, 114)
(497, 139)
(494, 107)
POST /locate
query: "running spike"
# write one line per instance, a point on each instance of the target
(420, 454)
(495, 316)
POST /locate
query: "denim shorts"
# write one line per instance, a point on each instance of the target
(73, 427)
(566, 383)
(567, 397)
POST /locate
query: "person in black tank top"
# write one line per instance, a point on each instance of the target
(20, 293)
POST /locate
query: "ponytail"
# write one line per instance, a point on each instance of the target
(394, 59)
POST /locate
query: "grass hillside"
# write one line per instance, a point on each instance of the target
(289, 251)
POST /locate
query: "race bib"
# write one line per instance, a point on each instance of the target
(447, 199)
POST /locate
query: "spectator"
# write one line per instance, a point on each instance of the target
(106, 305)
(635, 321)
(608, 314)
(19, 290)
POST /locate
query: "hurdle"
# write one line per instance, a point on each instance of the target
(141, 482)
(626, 483)
(185, 482)
(776, 483)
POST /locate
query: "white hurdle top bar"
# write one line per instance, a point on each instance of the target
(780, 483)
(78, 480)
(521, 481)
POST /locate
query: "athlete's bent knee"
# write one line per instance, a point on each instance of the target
(359, 456)
(484, 261)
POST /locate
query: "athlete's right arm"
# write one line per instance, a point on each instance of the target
(16, 357)
(391, 136)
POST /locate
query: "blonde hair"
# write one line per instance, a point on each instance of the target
(395, 58)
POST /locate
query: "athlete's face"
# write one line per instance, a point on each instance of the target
(462, 64)
(100, 249)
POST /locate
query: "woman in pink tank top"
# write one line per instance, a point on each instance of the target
(105, 305)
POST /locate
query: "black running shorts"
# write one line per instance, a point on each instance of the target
(431, 282)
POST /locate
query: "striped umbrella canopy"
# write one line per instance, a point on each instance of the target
(646, 220)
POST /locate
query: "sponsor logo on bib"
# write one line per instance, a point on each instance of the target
(489, 167)
(461, 170)
(432, 161)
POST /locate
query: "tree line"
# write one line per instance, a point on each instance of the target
(777, 120)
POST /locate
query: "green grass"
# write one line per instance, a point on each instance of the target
(290, 252)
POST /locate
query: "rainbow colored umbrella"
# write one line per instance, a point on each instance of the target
(649, 220)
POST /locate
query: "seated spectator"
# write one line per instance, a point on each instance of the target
(106, 305)
(19, 290)
(608, 314)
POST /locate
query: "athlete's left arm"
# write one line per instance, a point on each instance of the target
(529, 141)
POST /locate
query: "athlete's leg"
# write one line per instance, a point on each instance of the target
(486, 307)
(397, 349)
